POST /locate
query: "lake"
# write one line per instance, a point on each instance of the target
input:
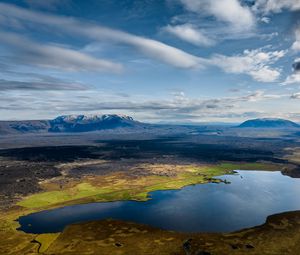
(245, 202)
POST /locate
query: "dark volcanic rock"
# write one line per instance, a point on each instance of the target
(269, 123)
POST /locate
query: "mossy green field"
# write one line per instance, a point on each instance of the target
(116, 187)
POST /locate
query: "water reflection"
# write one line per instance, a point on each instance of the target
(246, 202)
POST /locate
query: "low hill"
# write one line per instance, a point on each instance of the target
(269, 123)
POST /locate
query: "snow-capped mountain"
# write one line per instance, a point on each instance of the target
(85, 123)
(70, 123)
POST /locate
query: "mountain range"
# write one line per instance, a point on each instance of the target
(87, 123)
(69, 123)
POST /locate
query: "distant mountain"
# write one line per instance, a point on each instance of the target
(86, 123)
(269, 123)
(69, 123)
(24, 126)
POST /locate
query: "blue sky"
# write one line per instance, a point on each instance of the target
(155, 60)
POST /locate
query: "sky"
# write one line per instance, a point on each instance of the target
(159, 61)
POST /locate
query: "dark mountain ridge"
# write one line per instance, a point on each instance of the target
(269, 123)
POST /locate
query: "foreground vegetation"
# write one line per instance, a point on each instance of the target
(111, 187)
(122, 187)
(278, 236)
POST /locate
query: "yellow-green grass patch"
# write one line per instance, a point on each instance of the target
(114, 188)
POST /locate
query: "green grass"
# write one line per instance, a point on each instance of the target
(53, 197)
(137, 189)
(46, 240)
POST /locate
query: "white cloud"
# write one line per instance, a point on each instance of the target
(265, 74)
(255, 63)
(292, 79)
(189, 33)
(229, 11)
(296, 44)
(276, 6)
(265, 20)
(295, 96)
(179, 106)
(51, 56)
(10, 85)
(258, 95)
(149, 47)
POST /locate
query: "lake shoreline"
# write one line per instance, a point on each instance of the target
(108, 236)
(9, 225)
(189, 209)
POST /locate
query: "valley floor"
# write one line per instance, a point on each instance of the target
(40, 178)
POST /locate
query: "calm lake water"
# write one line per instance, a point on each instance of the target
(245, 202)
